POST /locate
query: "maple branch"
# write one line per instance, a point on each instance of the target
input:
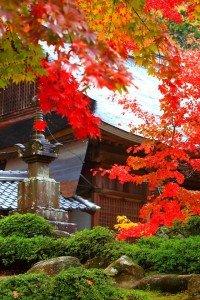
(174, 129)
(140, 18)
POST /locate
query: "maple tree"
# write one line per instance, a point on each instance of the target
(91, 40)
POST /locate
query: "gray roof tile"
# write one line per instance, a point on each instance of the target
(8, 195)
(77, 202)
(13, 175)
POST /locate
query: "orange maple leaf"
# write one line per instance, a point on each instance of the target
(15, 294)
(27, 28)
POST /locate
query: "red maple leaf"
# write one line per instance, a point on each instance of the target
(40, 125)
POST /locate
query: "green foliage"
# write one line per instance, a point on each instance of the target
(18, 60)
(29, 287)
(24, 225)
(81, 284)
(190, 228)
(193, 225)
(16, 250)
(169, 255)
(73, 284)
(89, 243)
(160, 254)
(186, 34)
(84, 245)
(176, 256)
(115, 249)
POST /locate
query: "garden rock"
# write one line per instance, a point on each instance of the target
(60, 233)
(54, 266)
(96, 262)
(171, 283)
(194, 287)
(124, 272)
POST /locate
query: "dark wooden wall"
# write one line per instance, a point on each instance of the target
(114, 198)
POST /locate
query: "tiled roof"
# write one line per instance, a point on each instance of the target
(77, 202)
(13, 175)
(9, 193)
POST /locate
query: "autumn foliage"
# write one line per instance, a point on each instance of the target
(57, 92)
(91, 39)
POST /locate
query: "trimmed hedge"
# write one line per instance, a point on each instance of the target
(81, 284)
(179, 256)
(73, 284)
(15, 250)
(84, 245)
(161, 254)
(29, 287)
(87, 244)
(26, 225)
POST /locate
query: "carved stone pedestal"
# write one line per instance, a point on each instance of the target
(38, 192)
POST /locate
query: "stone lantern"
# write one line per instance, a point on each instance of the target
(38, 191)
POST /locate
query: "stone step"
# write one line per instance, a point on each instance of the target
(51, 214)
(57, 217)
(64, 226)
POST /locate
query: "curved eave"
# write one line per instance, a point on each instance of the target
(119, 133)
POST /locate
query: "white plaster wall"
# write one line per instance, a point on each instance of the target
(82, 219)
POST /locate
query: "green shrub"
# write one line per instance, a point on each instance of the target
(73, 284)
(178, 256)
(26, 225)
(87, 244)
(83, 245)
(150, 242)
(161, 254)
(114, 250)
(18, 250)
(169, 255)
(190, 228)
(81, 284)
(29, 287)
(193, 225)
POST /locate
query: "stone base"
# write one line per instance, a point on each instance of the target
(58, 218)
(66, 227)
(52, 214)
(38, 192)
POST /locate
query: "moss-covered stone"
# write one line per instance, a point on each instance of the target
(194, 287)
(55, 265)
(125, 272)
(171, 283)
